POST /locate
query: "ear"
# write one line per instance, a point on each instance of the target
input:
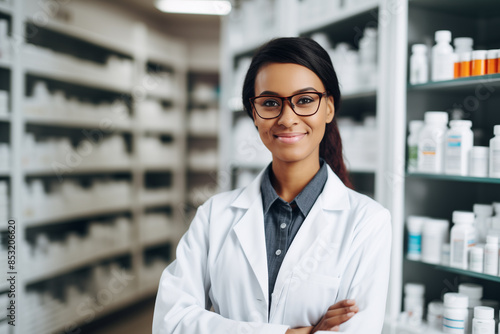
(254, 115)
(330, 109)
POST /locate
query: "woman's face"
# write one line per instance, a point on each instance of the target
(289, 137)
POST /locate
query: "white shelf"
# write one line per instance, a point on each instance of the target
(362, 169)
(5, 8)
(4, 172)
(103, 169)
(337, 16)
(250, 165)
(5, 63)
(76, 264)
(210, 133)
(60, 324)
(88, 36)
(151, 242)
(80, 214)
(77, 77)
(77, 122)
(151, 200)
(5, 118)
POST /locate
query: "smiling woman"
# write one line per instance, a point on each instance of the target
(296, 251)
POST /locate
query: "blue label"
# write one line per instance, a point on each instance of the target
(415, 243)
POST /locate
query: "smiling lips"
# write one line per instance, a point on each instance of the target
(290, 137)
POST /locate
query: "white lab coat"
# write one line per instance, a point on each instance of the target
(341, 251)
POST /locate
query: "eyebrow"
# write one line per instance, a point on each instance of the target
(307, 89)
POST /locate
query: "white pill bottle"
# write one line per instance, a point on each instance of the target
(462, 239)
(483, 322)
(431, 141)
(455, 313)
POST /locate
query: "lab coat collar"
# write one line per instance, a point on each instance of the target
(334, 196)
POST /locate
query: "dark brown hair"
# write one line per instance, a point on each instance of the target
(306, 52)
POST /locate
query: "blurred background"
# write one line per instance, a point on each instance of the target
(118, 118)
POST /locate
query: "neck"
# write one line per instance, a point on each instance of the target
(289, 178)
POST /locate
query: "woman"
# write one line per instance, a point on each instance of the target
(296, 251)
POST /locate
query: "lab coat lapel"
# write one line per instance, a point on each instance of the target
(250, 232)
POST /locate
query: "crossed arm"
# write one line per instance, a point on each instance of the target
(334, 316)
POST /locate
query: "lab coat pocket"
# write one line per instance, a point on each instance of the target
(309, 297)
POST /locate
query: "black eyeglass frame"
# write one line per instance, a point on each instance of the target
(289, 99)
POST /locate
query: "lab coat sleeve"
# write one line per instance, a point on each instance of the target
(182, 299)
(366, 279)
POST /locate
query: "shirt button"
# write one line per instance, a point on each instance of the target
(278, 252)
(283, 225)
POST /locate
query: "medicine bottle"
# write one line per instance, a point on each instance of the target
(455, 313)
(463, 48)
(461, 238)
(474, 292)
(491, 255)
(483, 322)
(492, 61)
(482, 223)
(414, 303)
(415, 127)
(479, 62)
(435, 314)
(459, 141)
(419, 68)
(434, 236)
(415, 225)
(445, 254)
(479, 161)
(431, 142)
(442, 62)
(476, 259)
(495, 153)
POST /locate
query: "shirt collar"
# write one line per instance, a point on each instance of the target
(305, 199)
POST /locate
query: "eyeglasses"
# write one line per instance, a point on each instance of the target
(303, 104)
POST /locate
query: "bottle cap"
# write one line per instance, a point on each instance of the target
(496, 130)
(460, 123)
(492, 239)
(479, 54)
(440, 117)
(455, 300)
(484, 312)
(370, 32)
(492, 54)
(483, 209)
(443, 36)
(434, 226)
(415, 126)
(480, 152)
(414, 289)
(471, 290)
(419, 48)
(463, 217)
(435, 307)
(415, 223)
(463, 42)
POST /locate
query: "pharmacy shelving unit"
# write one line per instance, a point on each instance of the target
(153, 187)
(384, 178)
(436, 195)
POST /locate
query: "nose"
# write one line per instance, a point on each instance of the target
(288, 117)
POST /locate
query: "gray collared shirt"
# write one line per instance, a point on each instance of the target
(282, 220)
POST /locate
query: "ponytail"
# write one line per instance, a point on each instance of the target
(330, 149)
